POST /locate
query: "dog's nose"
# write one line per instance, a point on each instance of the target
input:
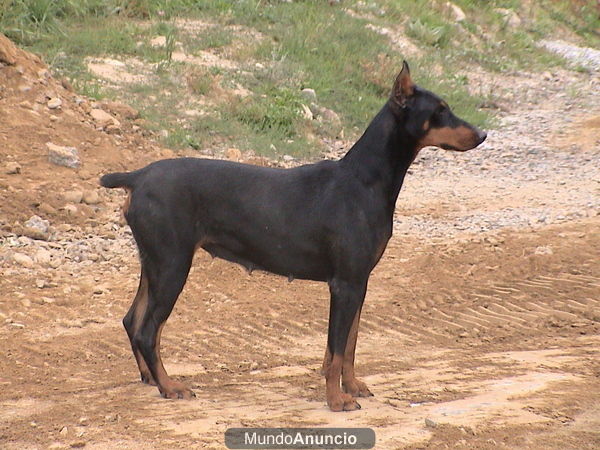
(481, 135)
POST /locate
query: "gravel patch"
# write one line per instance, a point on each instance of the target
(583, 56)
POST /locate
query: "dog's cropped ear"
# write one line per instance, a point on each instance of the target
(403, 86)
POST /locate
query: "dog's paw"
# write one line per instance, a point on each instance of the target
(177, 390)
(342, 402)
(356, 388)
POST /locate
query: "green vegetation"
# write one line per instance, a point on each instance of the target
(228, 73)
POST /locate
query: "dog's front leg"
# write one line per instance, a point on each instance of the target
(346, 302)
(350, 383)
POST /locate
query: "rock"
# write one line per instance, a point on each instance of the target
(158, 41)
(430, 423)
(55, 263)
(511, 18)
(63, 431)
(43, 257)
(121, 109)
(71, 209)
(8, 51)
(12, 168)
(41, 284)
(26, 304)
(309, 94)
(47, 209)
(233, 154)
(103, 119)
(543, 250)
(73, 196)
(91, 197)
(455, 12)
(54, 103)
(37, 228)
(328, 118)
(288, 158)
(306, 112)
(63, 156)
(23, 260)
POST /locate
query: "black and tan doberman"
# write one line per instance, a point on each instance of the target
(328, 221)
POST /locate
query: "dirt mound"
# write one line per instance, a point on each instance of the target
(41, 114)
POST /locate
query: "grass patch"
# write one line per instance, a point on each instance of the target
(305, 43)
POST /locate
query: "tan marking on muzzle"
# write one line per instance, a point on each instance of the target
(461, 138)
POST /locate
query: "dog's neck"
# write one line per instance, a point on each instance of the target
(383, 154)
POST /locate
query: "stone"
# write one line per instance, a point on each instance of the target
(47, 209)
(430, 423)
(233, 154)
(71, 209)
(73, 196)
(63, 156)
(511, 18)
(54, 103)
(103, 119)
(306, 112)
(8, 51)
(91, 197)
(158, 41)
(309, 94)
(543, 250)
(23, 260)
(43, 257)
(121, 109)
(13, 168)
(37, 228)
(455, 12)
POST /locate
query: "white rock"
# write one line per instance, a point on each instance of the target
(54, 103)
(63, 156)
(309, 94)
(43, 257)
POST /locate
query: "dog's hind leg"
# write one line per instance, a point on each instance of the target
(132, 322)
(346, 301)
(350, 383)
(166, 279)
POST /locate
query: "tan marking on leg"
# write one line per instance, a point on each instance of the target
(326, 361)
(127, 202)
(336, 399)
(140, 303)
(350, 383)
(168, 387)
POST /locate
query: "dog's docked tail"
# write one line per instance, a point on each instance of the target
(119, 179)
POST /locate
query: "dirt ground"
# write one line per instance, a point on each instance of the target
(490, 332)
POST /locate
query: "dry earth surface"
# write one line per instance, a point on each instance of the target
(482, 317)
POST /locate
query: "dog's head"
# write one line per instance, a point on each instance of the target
(428, 119)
